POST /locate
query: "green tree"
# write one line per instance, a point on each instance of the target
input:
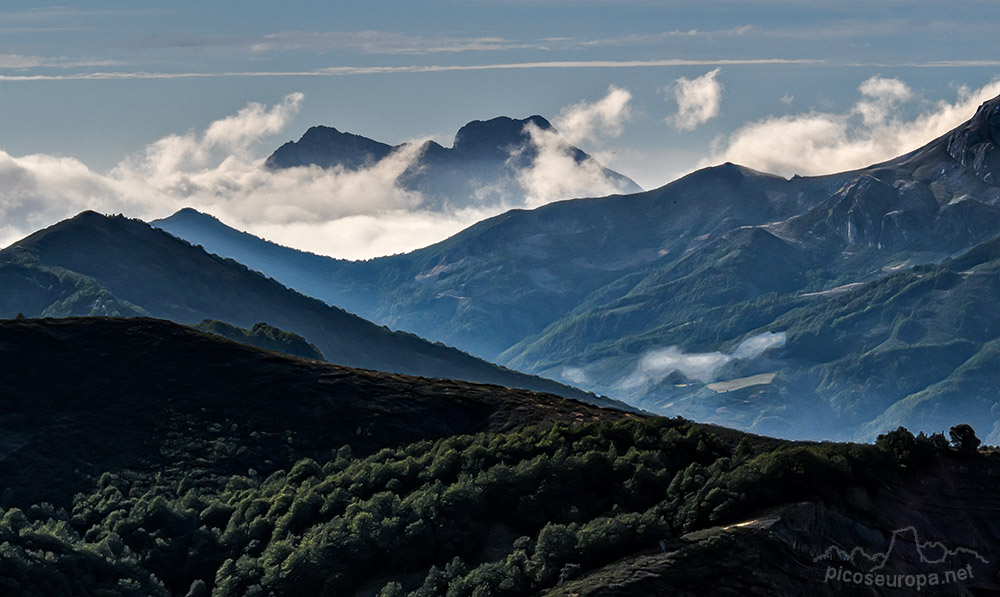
(392, 589)
(963, 437)
(900, 444)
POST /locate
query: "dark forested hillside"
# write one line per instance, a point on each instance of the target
(86, 395)
(145, 458)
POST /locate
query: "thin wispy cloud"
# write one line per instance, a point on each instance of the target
(664, 36)
(19, 61)
(383, 42)
(22, 62)
(375, 70)
(698, 101)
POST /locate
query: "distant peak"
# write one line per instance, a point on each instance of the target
(322, 130)
(496, 133)
(190, 211)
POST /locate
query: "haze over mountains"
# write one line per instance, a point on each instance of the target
(831, 306)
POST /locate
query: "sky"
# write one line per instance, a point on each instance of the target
(143, 108)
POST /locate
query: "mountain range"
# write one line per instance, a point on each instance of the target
(170, 427)
(481, 167)
(828, 306)
(114, 266)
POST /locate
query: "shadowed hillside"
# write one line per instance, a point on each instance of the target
(83, 396)
(98, 265)
(140, 457)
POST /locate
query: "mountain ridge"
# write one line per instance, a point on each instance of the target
(613, 280)
(127, 262)
(481, 167)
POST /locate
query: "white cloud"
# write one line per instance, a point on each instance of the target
(698, 101)
(19, 61)
(871, 131)
(378, 42)
(38, 190)
(363, 236)
(216, 171)
(555, 174)
(656, 365)
(881, 98)
(584, 121)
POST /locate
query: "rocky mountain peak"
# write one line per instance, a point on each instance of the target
(976, 145)
(325, 146)
(494, 137)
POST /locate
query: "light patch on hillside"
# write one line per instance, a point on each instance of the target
(722, 387)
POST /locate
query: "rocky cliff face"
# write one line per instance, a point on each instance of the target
(975, 144)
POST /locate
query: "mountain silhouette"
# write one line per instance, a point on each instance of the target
(98, 265)
(866, 272)
(481, 167)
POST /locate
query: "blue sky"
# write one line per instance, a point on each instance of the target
(86, 92)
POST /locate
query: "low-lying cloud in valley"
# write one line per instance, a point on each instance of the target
(871, 131)
(346, 213)
(655, 365)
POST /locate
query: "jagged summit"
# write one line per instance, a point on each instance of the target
(975, 144)
(325, 146)
(481, 166)
(495, 135)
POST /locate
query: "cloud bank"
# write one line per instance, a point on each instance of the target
(869, 132)
(698, 101)
(352, 214)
